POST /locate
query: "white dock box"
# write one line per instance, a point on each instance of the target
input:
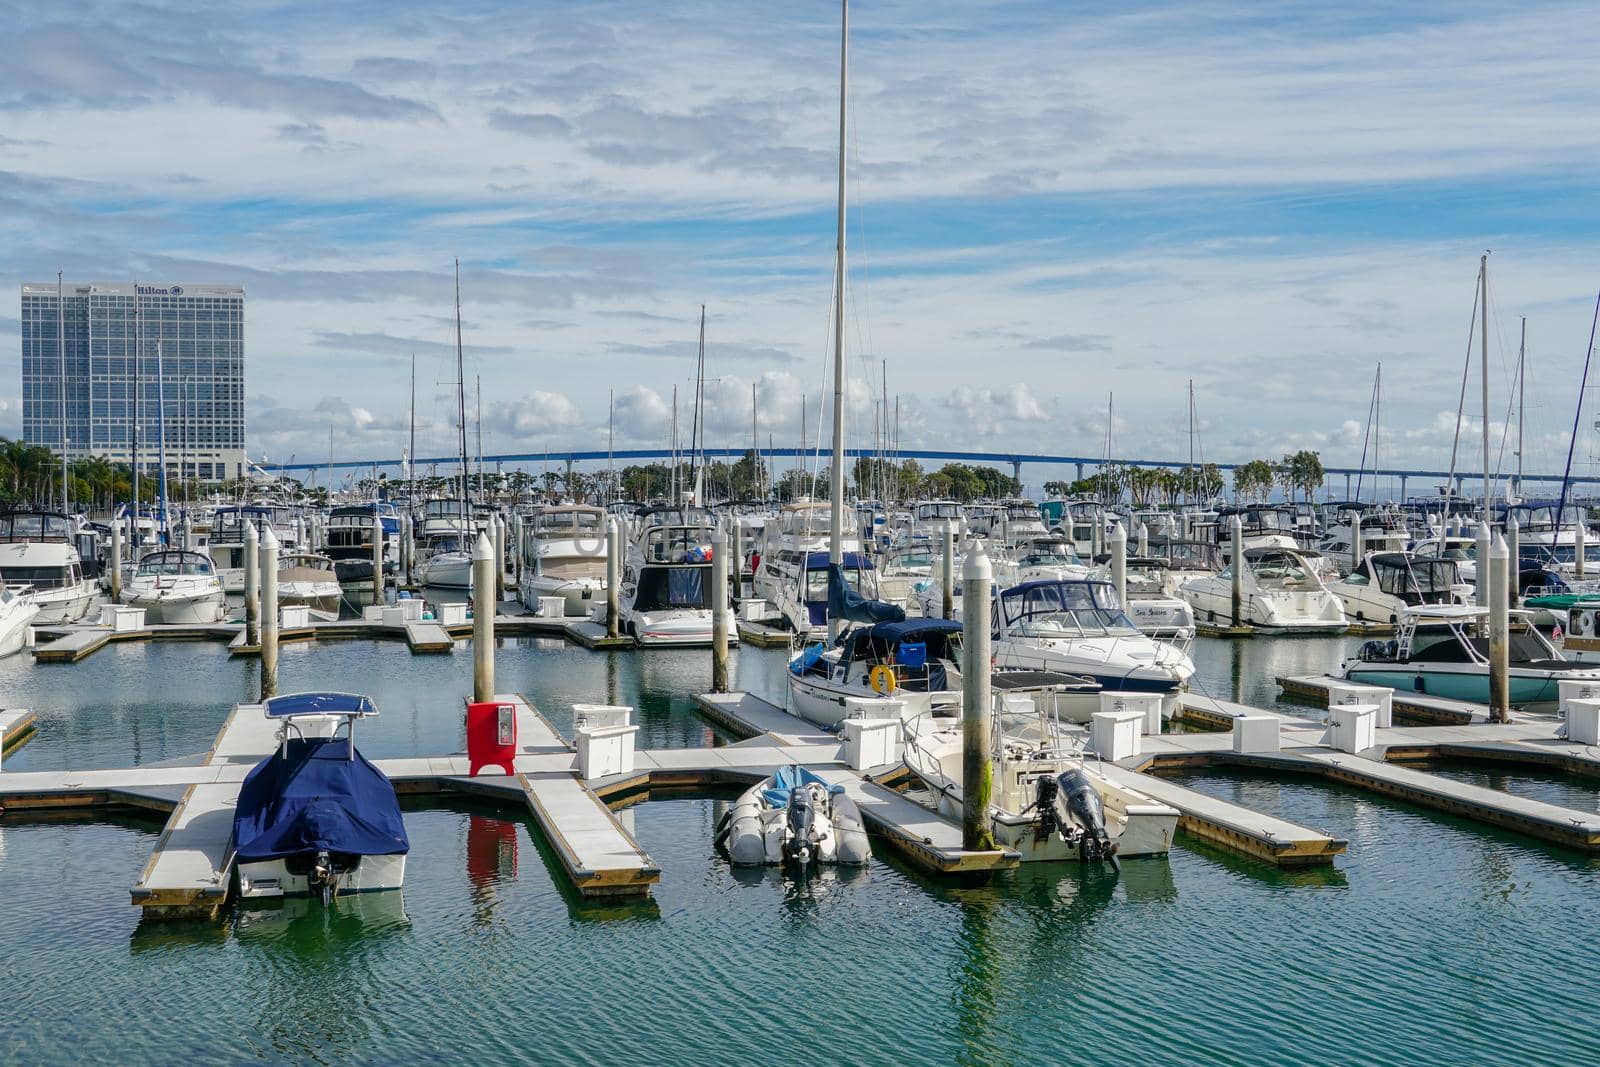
(1146, 704)
(1378, 696)
(294, 616)
(452, 614)
(871, 742)
(372, 613)
(1114, 735)
(605, 740)
(410, 608)
(552, 607)
(1353, 727)
(1577, 690)
(121, 618)
(752, 609)
(394, 615)
(1583, 720)
(1257, 733)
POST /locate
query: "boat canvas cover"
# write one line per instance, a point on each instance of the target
(787, 779)
(310, 797)
(846, 604)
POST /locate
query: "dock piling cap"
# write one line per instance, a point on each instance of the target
(269, 539)
(250, 533)
(976, 568)
(483, 550)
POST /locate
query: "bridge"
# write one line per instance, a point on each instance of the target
(992, 459)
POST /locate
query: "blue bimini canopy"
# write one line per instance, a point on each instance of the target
(292, 704)
(311, 797)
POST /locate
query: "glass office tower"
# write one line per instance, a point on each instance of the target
(139, 366)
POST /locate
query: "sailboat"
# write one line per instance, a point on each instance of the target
(445, 549)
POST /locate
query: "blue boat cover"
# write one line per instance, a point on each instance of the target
(312, 796)
(318, 704)
(787, 779)
(847, 604)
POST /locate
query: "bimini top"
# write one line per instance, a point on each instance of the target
(292, 704)
(856, 561)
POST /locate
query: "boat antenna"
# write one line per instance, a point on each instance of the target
(461, 415)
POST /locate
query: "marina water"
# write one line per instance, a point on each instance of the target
(1431, 941)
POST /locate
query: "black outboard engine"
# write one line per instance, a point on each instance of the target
(1044, 802)
(1078, 805)
(802, 818)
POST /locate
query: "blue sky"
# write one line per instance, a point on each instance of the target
(1051, 203)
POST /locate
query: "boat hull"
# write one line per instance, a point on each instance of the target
(1526, 686)
(269, 879)
(63, 605)
(199, 610)
(446, 572)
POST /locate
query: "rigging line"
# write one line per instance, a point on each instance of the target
(1461, 404)
(1361, 469)
(1566, 475)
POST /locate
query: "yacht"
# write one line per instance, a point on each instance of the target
(225, 544)
(1156, 612)
(1048, 802)
(907, 564)
(929, 517)
(1385, 584)
(1382, 530)
(1047, 557)
(309, 579)
(444, 545)
(175, 586)
(1282, 589)
(316, 818)
(564, 555)
(793, 576)
(1019, 521)
(1456, 665)
(18, 610)
(1079, 628)
(38, 550)
(348, 539)
(897, 668)
(665, 596)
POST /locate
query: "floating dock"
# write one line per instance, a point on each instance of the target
(16, 726)
(1411, 707)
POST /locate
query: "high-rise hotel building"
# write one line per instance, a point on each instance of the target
(107, 368)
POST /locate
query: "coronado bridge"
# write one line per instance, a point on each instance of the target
(1015, 460)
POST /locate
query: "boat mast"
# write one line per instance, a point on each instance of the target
(478, 382)
(461, 416)
(411, 444)
(1483, 310)
(1189, 485)
(1522, 396)
(61, 356)
(1377, 422)
(161, 440)
(1577, 414)
(676, 498)
(836, 473)
(755, 441)
(611, 445)
(696, 430)
(138, 385)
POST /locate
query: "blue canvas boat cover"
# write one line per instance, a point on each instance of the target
(847, 604)
(787, 779)
(312, 796)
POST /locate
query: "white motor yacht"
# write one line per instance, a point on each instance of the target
(564, 555)
(889, 670)
(1079, 628)
(18, 610)
(309, 579)
(665, 596)
(1282, 591)
(175, 586)
(38, 550)
(1387, 583)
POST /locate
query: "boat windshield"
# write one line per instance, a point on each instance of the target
(910, 558)
(1416, 581)
(1052, 608)
(1279, 570)
(663, 588)
(33, 526)
(1050, 553)
(817, 583)
(440, 545)
(163, 564)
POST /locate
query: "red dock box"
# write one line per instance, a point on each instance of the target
(491, 737)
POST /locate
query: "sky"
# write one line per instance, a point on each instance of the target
(1056, 212)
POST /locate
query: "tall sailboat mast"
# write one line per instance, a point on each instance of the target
(461, 416)
(61, 358)
(1483, 309)
(161, 439)
(411, 443)
(1522, 395)
(836, 471)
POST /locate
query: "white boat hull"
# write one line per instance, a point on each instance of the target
(64, 604)
(271, 878)
(450, 571)
(180, 609)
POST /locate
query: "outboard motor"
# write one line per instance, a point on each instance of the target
(1078, 805)
(1044, 802)
(802, 818)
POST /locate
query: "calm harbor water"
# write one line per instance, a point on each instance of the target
(1432, 941)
